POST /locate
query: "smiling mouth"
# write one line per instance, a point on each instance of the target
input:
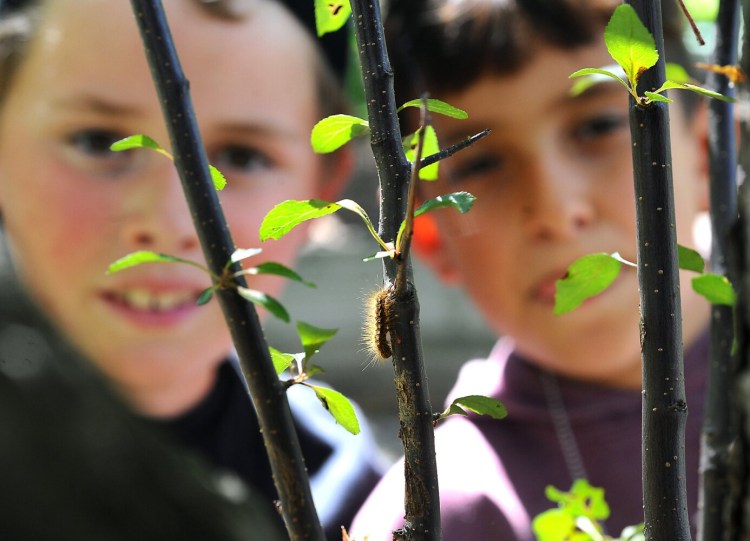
(147, 301)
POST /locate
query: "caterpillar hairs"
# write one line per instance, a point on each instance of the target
(378, 320)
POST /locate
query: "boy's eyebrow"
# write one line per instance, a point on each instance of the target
(472, 126)
(255, 129)
(97, 105)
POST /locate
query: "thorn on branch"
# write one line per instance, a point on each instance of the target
(450, 151)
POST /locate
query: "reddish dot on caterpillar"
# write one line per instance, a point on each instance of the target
(378, 319)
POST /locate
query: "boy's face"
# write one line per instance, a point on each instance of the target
(554, 182)
(71, 207)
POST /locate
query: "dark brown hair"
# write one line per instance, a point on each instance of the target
(443, 46)
(19, 20)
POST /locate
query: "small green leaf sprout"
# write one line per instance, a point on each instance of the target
(579, 516)
(633, 48)
(331, 15)
(481, 405)
(144, 141)
(312, 339)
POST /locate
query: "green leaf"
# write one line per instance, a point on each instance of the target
(287, 215)
(277, 269)
(335, 131)
(430, 146)
(654, 96)
(630, 43)
(205, 296)
(716, 288)
(553, 525)
(266, 301)
(676, 73)
(331, 15)
(281, 361)
(461, 201)
(482, 405)
(437, 106)
(632, 533)
(708, 93)
(586, 277)
(217, 176)
(136, 141)
(241, 254)
(703, 10)
(313, 337)
(589, 77)
(339, 407)
(146, 256)
(689, 259)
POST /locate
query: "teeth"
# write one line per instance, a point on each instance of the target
(142, 299)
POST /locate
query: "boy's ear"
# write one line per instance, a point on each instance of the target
(429, 247)
(336, 171)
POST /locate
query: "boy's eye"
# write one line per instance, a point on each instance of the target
(94, 142)
(600, 126)
(475, 167)
(240, 158)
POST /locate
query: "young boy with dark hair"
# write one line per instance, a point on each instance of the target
(553, 182)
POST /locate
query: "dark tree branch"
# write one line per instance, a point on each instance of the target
(266, 389)
(415, 411)
(720, 425)
(738, 507)
(664, 404)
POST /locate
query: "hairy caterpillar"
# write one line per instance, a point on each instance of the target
(378, 319)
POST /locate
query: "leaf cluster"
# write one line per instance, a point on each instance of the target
(633, 47)
(579, 516)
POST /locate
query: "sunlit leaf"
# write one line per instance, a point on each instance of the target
(716, 288)
(266, 301)
(630, 43)
(218, 178)
(287, 215)
(335, 131)
(461, 201)
(689, 259)
(331, 15)
(277, 269)
(339, 407)
(146, 256)
(312, 337)
(241, 254)
(437, 106)
(676, 73)
(281, 361)
(708, 93)
(553, 525)
(653, 96)
(482, 405)
(136, 141)
(430, 146)
(586, 277)
(588, 77)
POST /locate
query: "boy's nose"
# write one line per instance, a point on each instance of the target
(557, 204)
(160, 219)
